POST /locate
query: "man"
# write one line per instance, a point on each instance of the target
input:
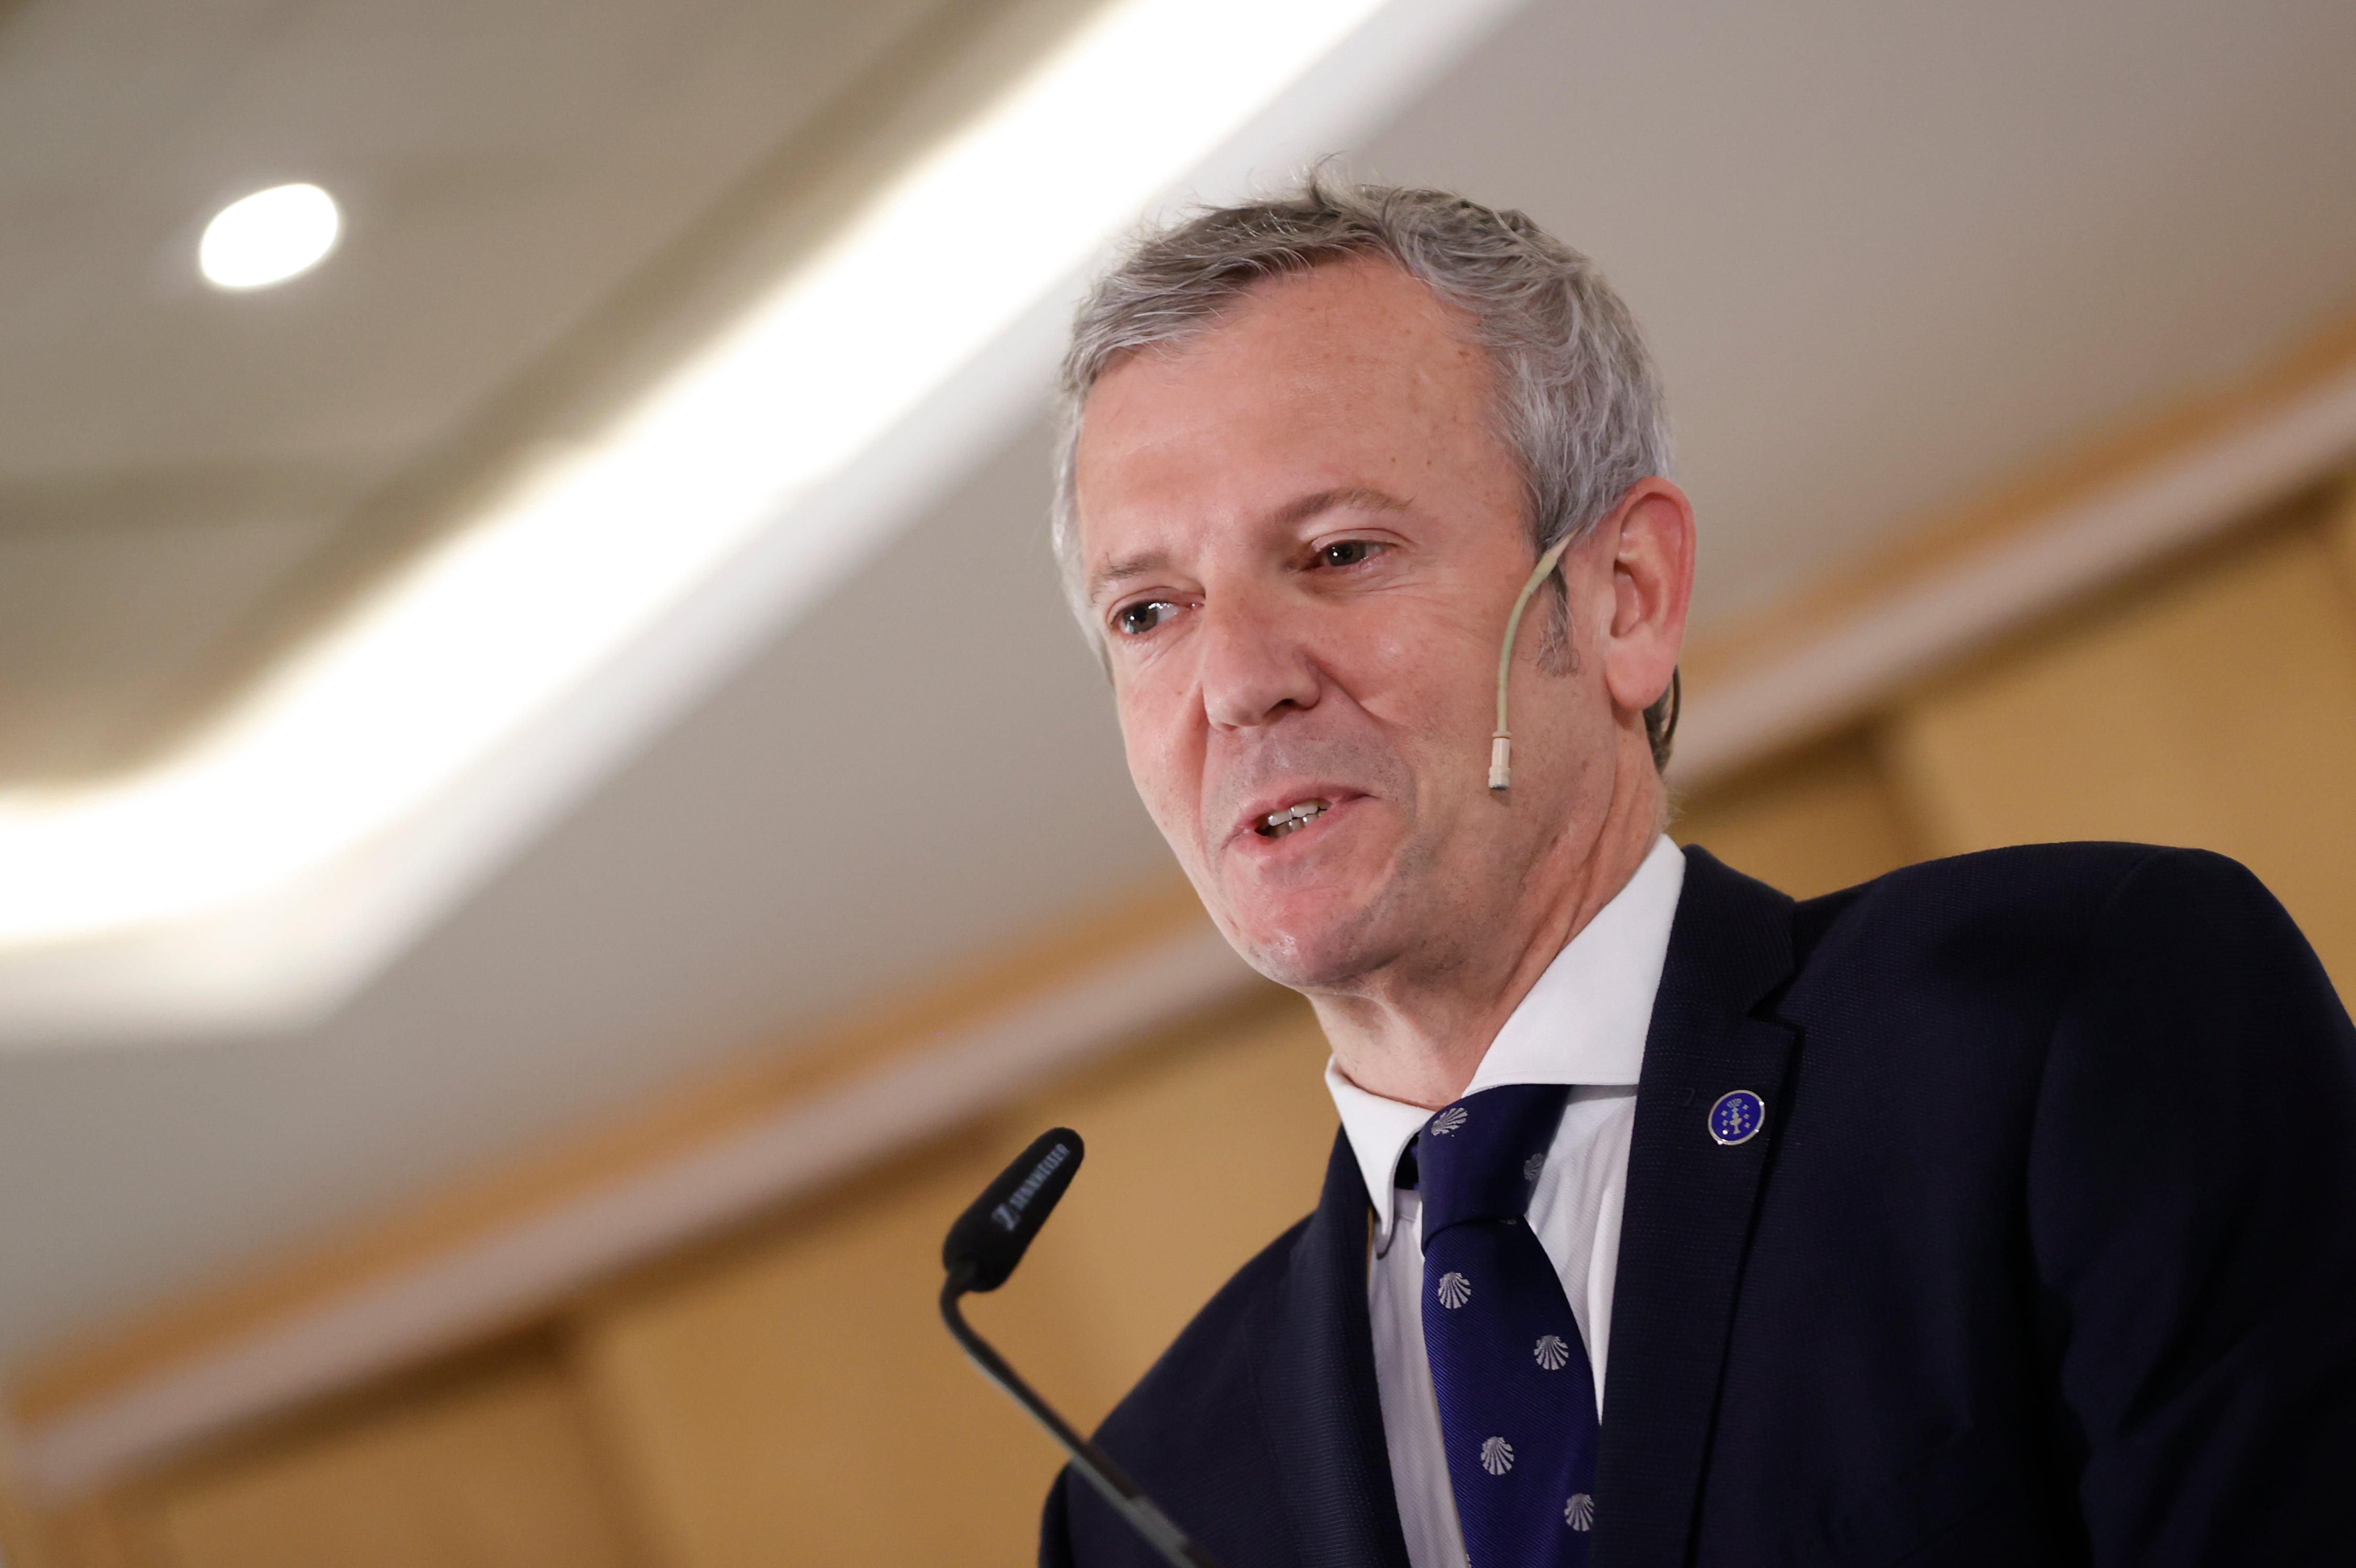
(1997, 1212)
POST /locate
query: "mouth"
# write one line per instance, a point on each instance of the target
(1290, 820)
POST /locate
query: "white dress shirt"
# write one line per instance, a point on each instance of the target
(1582, 1024)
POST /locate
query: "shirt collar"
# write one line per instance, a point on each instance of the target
(1583, 1023)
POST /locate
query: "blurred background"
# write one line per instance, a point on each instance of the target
(553, 827)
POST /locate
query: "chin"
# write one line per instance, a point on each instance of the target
(1322, 950)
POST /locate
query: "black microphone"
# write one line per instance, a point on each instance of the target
(983, 1246)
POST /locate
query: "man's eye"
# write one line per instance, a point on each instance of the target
(1137, 619)
(1344, 552)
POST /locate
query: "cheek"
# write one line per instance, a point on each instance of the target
(1376, 652)
(1164, 755)
(1416, 673)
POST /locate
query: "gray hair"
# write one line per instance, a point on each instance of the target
(1577, 404)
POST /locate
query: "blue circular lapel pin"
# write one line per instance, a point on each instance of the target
(1736, 1117)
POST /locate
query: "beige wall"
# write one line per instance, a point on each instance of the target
(789, 1395)
(2211, 702)
(785, 1394)
(1822, 819)
(2217, 709)
(796, 1398)
(485, 1463)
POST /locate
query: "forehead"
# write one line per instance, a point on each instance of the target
(1352, 374)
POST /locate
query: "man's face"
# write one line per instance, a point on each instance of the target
(1302, 538)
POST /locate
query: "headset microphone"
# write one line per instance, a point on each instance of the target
(1501, 745)
(982, 1248)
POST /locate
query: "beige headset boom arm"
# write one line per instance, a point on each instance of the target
(1501, 745)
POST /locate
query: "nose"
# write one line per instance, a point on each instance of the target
(1256, 666)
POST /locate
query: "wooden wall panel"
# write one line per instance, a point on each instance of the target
(1823, 820)
(796, 1400)
(86, 1533)
(2340, 527)
(496, 1469)
(1198, 1158)
(2217, 711)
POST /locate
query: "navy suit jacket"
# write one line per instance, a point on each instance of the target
(2047, 1253)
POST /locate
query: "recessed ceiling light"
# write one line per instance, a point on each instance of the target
(269, 237)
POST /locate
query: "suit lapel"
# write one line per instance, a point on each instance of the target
(1690, 1206)
(1313, 1373)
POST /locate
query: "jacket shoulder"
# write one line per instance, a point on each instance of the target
(2016, 870)
(2042, 884)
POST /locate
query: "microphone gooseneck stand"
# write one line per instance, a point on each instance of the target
(984, 1247)
(1125, 1496)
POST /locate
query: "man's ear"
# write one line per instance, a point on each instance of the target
(1650, 536)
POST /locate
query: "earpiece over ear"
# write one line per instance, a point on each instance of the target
(1501, 745)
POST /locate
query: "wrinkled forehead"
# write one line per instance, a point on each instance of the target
(1350, 376)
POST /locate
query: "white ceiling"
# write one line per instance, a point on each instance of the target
(1886, 256)
(175, 462)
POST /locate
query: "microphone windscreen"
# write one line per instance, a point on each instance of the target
(991, 1236)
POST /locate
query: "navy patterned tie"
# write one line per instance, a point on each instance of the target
(1517, 1396)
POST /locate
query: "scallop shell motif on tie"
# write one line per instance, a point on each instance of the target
(1455, 1290)
(1579, 1511)
(1497, 1455)
(1551, 1352)
(1449, 1119)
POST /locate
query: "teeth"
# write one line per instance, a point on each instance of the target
(1291, 818)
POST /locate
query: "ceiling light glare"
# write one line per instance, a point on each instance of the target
(592, 546)
(269, 237)
(427, 689)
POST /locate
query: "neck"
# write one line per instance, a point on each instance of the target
(1419, 1039)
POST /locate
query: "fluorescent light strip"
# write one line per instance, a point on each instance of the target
(346, 741)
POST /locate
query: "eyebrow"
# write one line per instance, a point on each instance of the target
(1363, 497)
(1114, 573)
(1147, 562)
